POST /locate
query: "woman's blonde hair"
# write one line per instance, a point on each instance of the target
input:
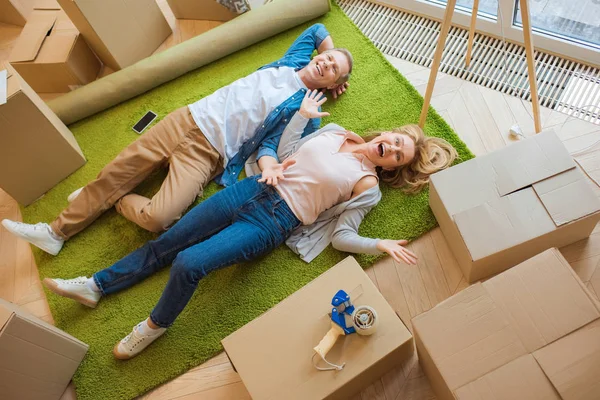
(432, 154)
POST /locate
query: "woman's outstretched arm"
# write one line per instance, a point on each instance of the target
(346, 237)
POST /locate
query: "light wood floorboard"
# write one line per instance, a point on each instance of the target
(479, 115)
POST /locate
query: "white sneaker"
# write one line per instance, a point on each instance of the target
(39, 235)
(74, 194)
(133, 344)
(76, 289)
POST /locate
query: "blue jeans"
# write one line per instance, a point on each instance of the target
(236, 224)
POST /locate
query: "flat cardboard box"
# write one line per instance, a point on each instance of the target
(273, 353)
(37, 360)
(121, 32)
(531, 332)
(50, 54)
(499, 209)
(36, 149)
(200, 9)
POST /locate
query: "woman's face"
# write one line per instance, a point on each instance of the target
(391, 150)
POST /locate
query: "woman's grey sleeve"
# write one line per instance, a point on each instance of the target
(346, 237)
(291, 136)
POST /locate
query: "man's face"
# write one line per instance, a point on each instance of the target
(326, 69)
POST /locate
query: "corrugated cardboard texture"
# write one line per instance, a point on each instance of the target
(521, 379)
(14, 12)
(50, 54)
(121, 32)
(558, 195)
(478, 343)
(467, 336)
(529, 161)
(573, 363)
(273, 353)
(502, 208)
(200, 9)
(36, 149)
(542, 299)
(37, 360)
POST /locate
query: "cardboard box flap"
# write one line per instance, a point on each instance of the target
(40, 323)
(573, 363)
(502, 223)
(525, 163)
(57, 48)
(476, 337)
(46, 5)
(466, 185)
(542, 299)
(13, 84)
(520, 379)
(33, 35)
(559, 193)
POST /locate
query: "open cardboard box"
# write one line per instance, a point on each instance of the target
(499, 209)
(121, 32)
(50, 54)
(532, 332)
(273, 353)
(37, 360)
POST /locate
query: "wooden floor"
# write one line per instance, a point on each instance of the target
(479, 115)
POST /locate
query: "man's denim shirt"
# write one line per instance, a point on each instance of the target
(266, 138)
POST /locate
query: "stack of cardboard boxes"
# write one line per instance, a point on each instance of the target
(50, 54)
(533, 331)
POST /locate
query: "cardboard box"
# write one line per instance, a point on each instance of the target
(50, 54)
(36, 149)
(121, 32)
(15, 12)
(499, 209)
(273, 353)
(200, 9)
(37, 360)
(532, 332)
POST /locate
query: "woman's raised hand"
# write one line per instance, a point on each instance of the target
(272, 173)
(311, 103)
(396, 249)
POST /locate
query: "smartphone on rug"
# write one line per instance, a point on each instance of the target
(144, 122)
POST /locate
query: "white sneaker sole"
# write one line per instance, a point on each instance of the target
(53, 287)
(122, 356)
(126, 356)
(28, 240)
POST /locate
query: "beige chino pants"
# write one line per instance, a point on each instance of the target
(176, 141)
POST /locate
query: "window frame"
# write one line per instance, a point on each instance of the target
(497, 26)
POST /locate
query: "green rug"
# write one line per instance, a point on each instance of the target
(378, 98)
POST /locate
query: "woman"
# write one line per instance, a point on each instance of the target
(332, 173)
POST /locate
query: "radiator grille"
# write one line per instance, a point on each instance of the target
(563, 85)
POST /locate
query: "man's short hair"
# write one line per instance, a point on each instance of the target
(346, 52)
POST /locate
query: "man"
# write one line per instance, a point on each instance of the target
(211, 138)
